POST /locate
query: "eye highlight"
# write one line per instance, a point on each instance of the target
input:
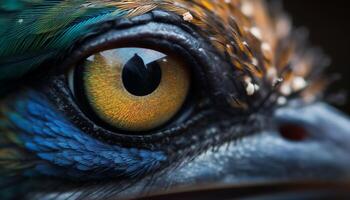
(133, 89)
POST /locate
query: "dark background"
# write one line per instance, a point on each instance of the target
(329, 26)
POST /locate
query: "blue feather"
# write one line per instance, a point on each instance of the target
(64, 147)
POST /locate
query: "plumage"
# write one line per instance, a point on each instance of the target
(39, 30)
(55, 140)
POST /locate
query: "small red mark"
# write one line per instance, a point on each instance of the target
(293, 132)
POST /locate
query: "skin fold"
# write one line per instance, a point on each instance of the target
(253, 124)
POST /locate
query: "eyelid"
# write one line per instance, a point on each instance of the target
(166, 35)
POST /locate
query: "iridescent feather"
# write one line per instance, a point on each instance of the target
(35, 31)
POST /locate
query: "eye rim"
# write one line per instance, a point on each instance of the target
(181, 115)
(149, 141)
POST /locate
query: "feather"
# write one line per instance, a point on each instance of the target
(58, 147)
(52, 26)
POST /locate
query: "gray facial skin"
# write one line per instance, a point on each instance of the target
(267, 157)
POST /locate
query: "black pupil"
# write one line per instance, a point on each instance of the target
(140, 79)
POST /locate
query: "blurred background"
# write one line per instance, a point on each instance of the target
(329, 25)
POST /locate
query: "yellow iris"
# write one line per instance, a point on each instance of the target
(105, 87)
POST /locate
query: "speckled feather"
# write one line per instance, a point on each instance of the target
(259, 44)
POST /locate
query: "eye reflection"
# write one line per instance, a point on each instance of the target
(132, 89)
(141, 79)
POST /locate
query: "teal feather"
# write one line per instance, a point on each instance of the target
(37, 30)
(12, 5)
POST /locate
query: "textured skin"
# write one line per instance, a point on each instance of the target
(69, 151)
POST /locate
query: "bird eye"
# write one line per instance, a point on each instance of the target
(131, 89)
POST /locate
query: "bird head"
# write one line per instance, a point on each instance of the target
(197, 99)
